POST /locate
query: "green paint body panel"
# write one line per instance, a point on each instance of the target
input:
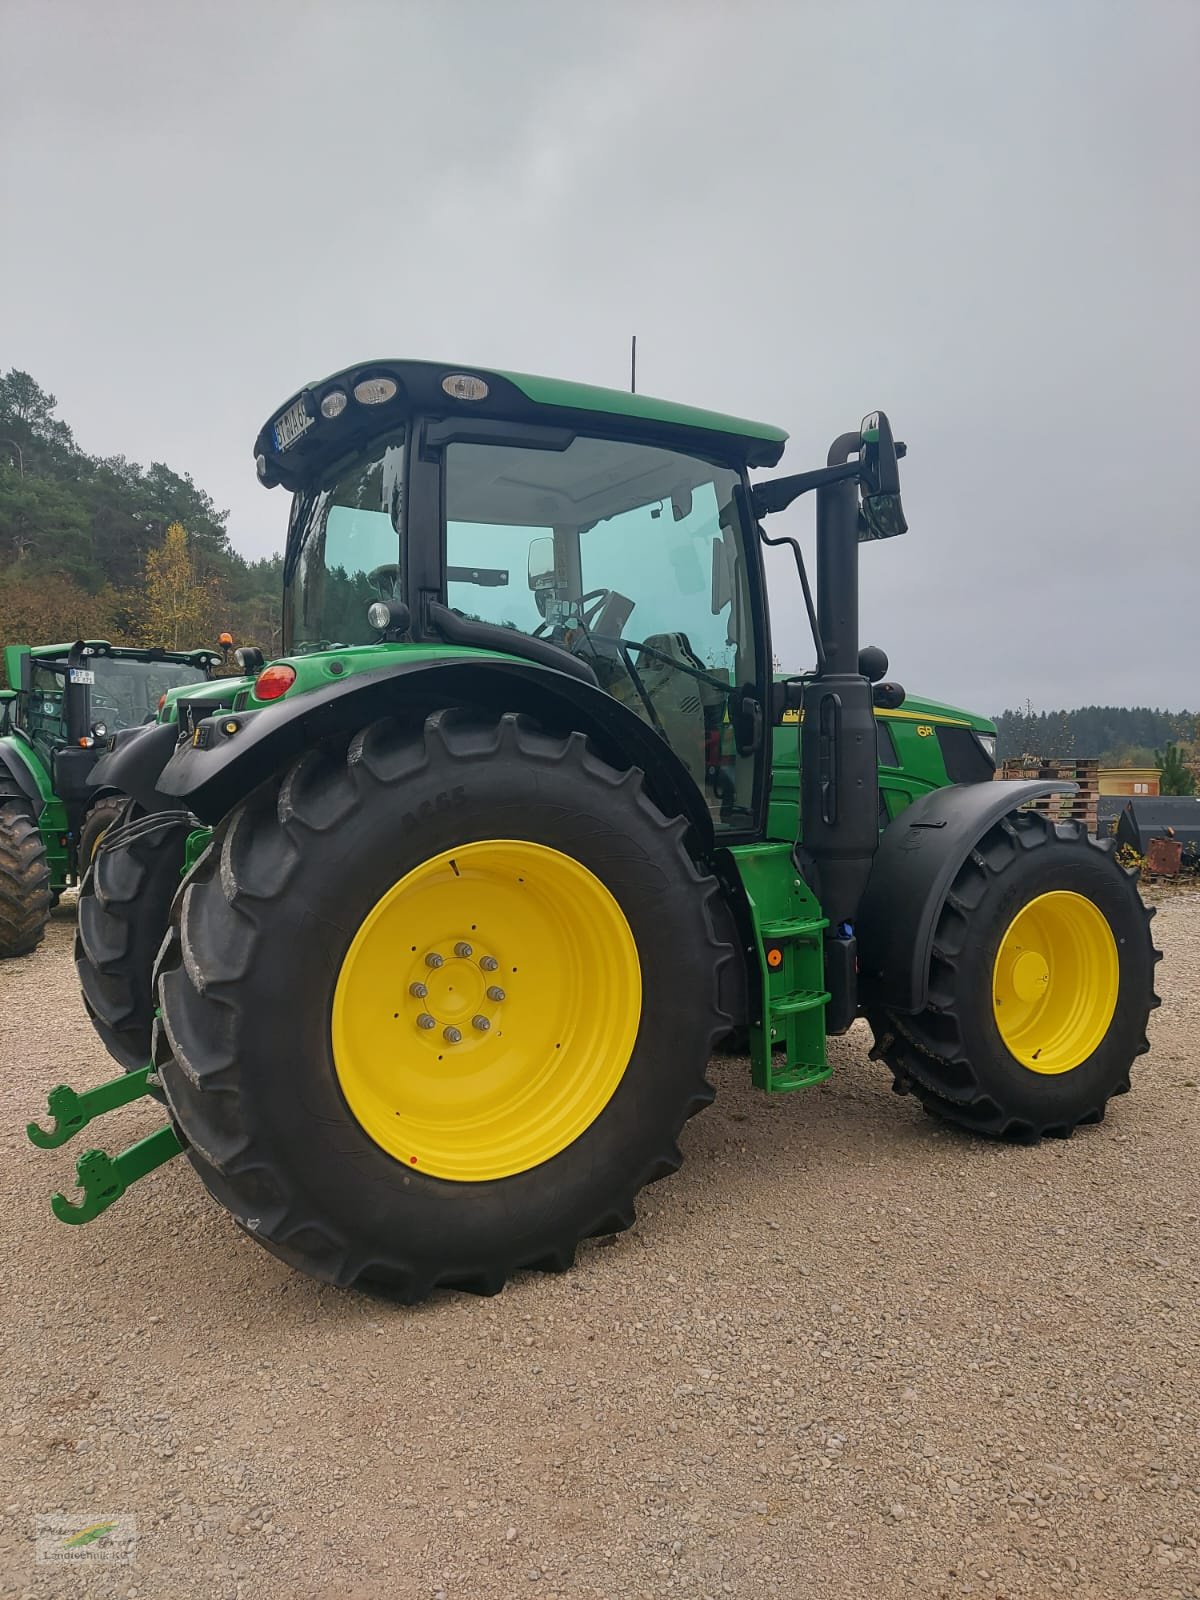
(321, 668)
(316, 670)
(197, 843)
(921, 766)
(566, 396)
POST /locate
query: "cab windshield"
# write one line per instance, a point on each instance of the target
(126, 693)
(344, 552)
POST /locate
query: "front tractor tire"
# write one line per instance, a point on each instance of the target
(1040, 987)
(436, 1005)
(25, 897)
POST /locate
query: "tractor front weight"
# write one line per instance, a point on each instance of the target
(103, 1178)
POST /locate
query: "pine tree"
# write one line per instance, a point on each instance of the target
(1176, 777)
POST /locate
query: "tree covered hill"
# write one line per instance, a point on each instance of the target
(1114, 735)
(77, 533)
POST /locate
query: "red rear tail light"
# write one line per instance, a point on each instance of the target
(274, 681)
(162, 700)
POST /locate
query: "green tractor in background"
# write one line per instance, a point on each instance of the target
(478, 875)
(55, 718)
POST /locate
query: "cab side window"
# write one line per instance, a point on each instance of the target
(629, 556)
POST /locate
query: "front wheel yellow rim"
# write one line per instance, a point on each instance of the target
(486, 1010)
(1055, 982)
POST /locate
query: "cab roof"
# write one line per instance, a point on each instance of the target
(101, 647)
(448, 390)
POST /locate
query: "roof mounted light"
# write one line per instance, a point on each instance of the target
(334, 404)
(374, 391)
(464, 386)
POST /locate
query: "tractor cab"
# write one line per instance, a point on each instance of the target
(520, 515)
(77, 694)
(63, 704)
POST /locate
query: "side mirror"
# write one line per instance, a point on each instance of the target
(541, 563)
(879, 474)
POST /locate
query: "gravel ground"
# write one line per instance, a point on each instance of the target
(844, 1353)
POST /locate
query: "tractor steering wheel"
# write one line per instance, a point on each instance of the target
(587, 608)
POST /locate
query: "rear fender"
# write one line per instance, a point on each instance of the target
(918, 857)
(216, 767)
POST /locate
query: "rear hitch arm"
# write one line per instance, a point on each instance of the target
(73, 1109)
(103, 1178)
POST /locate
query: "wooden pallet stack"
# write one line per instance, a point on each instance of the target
(1081, 806)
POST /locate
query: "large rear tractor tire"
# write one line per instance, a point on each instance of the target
(436, 1006)
(124, 904)
(25, 896)
(1040, 987)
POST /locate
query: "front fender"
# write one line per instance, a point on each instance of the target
(918, 858)
(232, 752)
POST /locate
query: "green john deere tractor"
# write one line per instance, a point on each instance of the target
(478, 874)
(63, 702)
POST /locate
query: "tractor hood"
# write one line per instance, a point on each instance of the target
(917, 709)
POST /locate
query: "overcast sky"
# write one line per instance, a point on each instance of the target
(984, 219)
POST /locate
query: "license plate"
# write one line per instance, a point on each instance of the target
(82, 675)
(291, 425)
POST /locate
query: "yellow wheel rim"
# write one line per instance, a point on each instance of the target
(486, 1010)
(1054, 985)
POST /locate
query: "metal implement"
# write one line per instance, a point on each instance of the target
(103, 1178)
(73, 1109)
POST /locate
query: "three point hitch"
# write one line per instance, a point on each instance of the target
(103, 1178)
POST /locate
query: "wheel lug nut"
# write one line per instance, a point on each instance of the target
(434, 960)
(481, 1023)
(488, 963)
(451, 1035)
(418, 991)
(495, 992)
(463, 950)
(426, 1021)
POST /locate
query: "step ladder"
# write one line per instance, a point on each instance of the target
(787, 1027)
